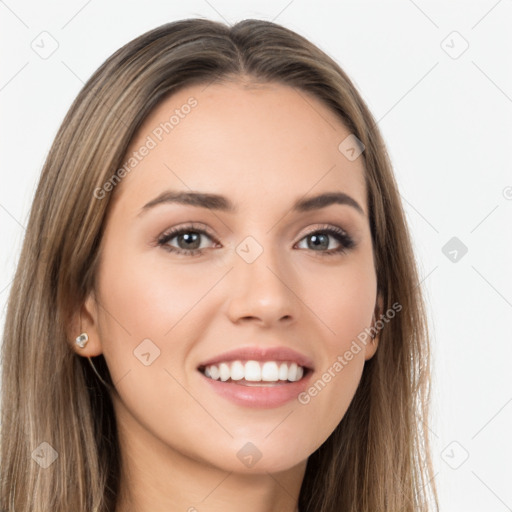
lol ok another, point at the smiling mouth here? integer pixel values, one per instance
(255, 373)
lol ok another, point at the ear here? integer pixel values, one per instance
(85, 320)
(371, 346)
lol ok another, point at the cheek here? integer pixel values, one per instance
(141, 300)
(149, 322)
(343, 300)
(148, 297)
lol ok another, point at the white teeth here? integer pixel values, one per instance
(214, 372)
(237, 371)
(269, 372)
(252, 371)
(255, 371)
(283, 371)
(292, 372)
(224, 371)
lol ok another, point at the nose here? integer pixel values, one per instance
(262, 291)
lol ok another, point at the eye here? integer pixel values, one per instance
(319, 239)
(188, 239)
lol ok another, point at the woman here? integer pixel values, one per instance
(217, 305)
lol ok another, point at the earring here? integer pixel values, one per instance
(82, 340)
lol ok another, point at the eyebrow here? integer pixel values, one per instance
(222, 203)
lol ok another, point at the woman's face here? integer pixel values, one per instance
(260, 276)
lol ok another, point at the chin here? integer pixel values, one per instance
(248, 457)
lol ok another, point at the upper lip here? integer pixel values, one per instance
(258, 353)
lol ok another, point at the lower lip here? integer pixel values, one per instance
(259, 396)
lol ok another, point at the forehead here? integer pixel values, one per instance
(248, 141)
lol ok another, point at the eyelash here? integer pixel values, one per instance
(345, 241)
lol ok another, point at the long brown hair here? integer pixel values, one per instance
(378, 457)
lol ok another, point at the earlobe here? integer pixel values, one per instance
(83, 332)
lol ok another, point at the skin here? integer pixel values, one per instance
(263, 147)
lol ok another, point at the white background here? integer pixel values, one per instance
(447, 122)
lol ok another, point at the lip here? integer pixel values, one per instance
(263, 397)
(261, 354)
